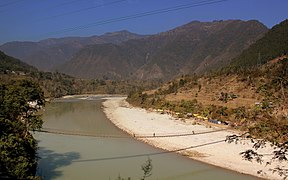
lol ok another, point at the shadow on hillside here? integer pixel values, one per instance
(50, 162)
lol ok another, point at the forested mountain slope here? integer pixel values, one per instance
(272, 45)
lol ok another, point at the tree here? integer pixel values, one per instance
(280, 152)
(19, 102)
(147, 168)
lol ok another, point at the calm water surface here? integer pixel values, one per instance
(80, 157)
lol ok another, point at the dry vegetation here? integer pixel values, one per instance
(207, 91)
(254, 100)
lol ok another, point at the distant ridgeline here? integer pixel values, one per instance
(196, 47)
(50, 53)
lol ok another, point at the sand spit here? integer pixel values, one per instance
(139, 122)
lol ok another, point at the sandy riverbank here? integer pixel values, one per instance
(138, 121)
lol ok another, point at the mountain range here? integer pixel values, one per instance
(272, 47)
(196, 47)
(48, 53)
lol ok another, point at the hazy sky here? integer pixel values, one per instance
(34, 20)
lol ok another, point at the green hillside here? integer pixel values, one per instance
(9, 64)
(272, 45)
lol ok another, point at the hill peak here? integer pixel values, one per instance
(195, 47)
(121, 32)
(49, 53)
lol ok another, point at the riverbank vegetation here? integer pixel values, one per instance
(20, 100)
(253, 101)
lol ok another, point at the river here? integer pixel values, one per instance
(92, 157)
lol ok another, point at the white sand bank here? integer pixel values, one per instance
(138, 121)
